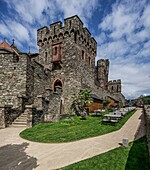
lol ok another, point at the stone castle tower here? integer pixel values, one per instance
(102, 73)
(69, 53)
(65, 64)
(114, 86)
(68, 47)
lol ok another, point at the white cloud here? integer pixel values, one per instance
(124, 33)
(11, 29)
(145, 17)
(29, 15)
(127, 45)
(84, 9)
(135, 77)
(31, 11)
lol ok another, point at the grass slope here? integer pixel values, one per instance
(66, 132)
(134, 157)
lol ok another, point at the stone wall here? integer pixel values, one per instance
(38, 79)
(102, 73)
(8, 115)
(55, 108)
(147, 117)
(13, 78)
(73, 61)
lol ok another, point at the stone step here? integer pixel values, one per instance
(16, 125)
(23, 116)
(19, 123)
(20, 120)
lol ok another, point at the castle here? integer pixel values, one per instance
(42, 84)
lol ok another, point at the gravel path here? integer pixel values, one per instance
(19, 154)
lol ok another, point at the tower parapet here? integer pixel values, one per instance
(102, 73)
(114, 86)
(73, 29)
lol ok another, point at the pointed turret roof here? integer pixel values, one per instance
(14, 47)
(5, 46)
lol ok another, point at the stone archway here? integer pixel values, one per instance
(57, 86)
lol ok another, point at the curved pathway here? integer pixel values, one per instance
(40, 156)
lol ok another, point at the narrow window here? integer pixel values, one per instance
(75, 36)
(112, 88)
(90, 61)
(55, 51)
(70, 24)
(117, 88)
(54, 29)
(83, 55)
(45, 57)
(60, 51)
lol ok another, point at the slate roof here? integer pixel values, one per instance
(94, 96)
(113, 99)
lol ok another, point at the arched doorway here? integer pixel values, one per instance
(57, 86)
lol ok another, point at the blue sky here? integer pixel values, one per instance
(120, 27)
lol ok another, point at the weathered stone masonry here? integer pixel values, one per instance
(64, 65)
(147, 118)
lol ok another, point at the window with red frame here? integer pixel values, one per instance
(56, 52)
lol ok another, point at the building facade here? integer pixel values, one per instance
(64, 65)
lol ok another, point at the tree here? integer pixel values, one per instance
(80, 102)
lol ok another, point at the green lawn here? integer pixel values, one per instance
(134, 157)
(63, 131)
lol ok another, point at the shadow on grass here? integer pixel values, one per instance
(138, 157)
(14, 157)
(96, 115)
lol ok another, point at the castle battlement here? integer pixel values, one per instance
(103, 62)
(115, 81)
(73, 29)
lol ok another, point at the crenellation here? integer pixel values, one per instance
(55, 28)
(73, 30)
(41, 34)
(114, 86)
(73, 22)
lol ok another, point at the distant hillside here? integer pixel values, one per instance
(147, 99)
(142, 100)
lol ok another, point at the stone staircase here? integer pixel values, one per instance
(20, 121)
